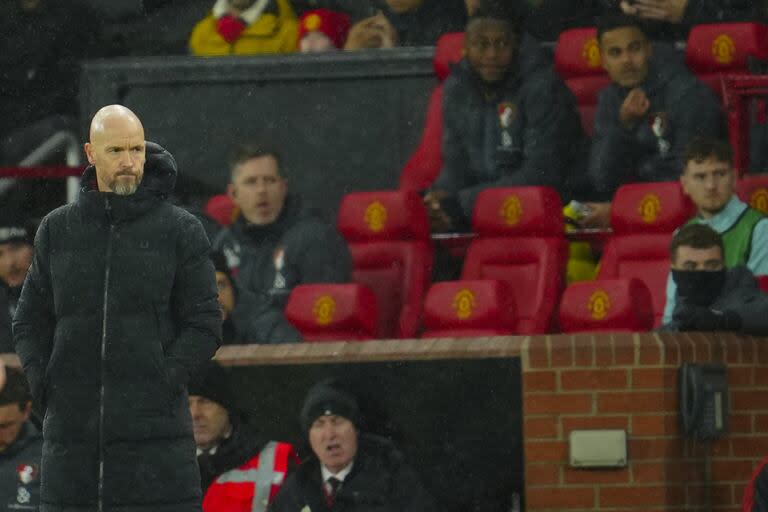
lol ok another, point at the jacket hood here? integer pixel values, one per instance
(160, 172)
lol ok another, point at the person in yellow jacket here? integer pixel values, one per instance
(246, 27)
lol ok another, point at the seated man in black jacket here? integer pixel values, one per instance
(15, 257)
(646, 117)
(274, 245)
(348, 470)
(508, 120)
(234, 462)
(710, 297)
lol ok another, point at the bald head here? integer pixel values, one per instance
(117, 149)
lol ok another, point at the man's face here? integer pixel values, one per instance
(258, 190)
(334, 441)
(118, 153)
(12, 418)
(15, 259)
(625, 54)
(226, 294)
(690, 259)
(210, 421)
(710, 184)
(490, 49)
(400, 6)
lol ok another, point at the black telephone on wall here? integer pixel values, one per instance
(704, 404)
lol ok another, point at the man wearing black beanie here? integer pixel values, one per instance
(15, 257)
(235, 464)
(348, 470)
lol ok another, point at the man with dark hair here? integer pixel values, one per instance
(117, 311)
(20, 446)
(709, 179)
(348, 470)
(644, 119)
(274, 245)
(238, 471)
(508, 121)
(710, 297)
(15, 257)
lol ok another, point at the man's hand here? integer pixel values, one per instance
(699, 318)
(438, 219)
(373, 32)
(671, 11)
(634, 108)
(599, 216)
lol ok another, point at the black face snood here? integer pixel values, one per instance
(699, 287)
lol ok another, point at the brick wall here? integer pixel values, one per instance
(630, 382)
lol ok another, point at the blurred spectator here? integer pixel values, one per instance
(246, 27)
(238, 470)
(644, 119)
(21, 446)
(43, 42)
(356, 9)
(348, 470)
(16, 240)
(674, 18)
(709, 297)
(508, 121)
(275, 244)
(408, 23)
(709, 180)
(756, 493)
(322, 30)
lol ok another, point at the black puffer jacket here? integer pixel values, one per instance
(118, 308)
(380, 481)
(6, 338)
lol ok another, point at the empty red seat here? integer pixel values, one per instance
(333, 312)
(521, 240)
(426, 161)
(388, 236)
(460, 309)
(643, 217)
(753, 189)
(221, 209)
(577, 60)
(763, 281)
(724, 48)
(608, 305)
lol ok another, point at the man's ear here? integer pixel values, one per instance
(88, 152)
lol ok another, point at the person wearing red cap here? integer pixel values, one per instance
(321, 30)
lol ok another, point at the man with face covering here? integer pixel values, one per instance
(117, 310)
(709, 296)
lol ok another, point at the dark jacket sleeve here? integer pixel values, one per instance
(717, 11)
(410, 494)
(760, 498)
(194, 303)
(6, 335)
(453, 175)
(34, 322)
(552, 131)
(751, 306)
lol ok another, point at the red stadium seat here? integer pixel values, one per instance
(763, 281)
(753, 189)
(333, 312)
(724, 48)
(577, 60)
(426, 161)
(609, 305)
(388, 236)
(221, 209)
(643, 217)
(461, 309)
(521, 240)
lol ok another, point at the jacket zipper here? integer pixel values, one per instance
(108, 209)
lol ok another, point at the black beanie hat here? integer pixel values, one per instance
(325, 399)
(211, 382)
(11, 231)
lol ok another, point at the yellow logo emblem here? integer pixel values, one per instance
(649, 208)
(591, 53)
(599, 304)
(324, 309)
(511, 211)
(759, 200)
(376, 216)
(312, 22)
(464, 304)
(723, 49)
